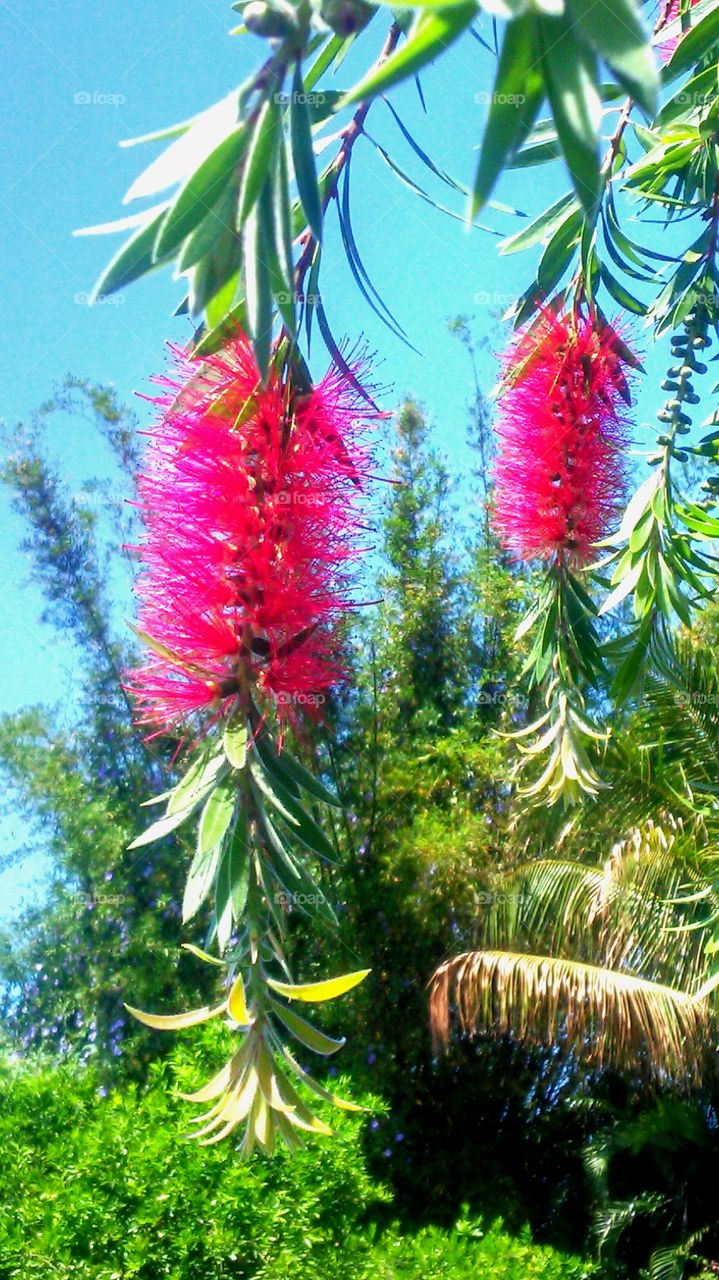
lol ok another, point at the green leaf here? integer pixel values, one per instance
(216, 338)
(515, 103)
(303, 156)
(306, 780)
(308, 1035)
(161, 828)
(217, 814)
(571, 77)
(215, 222)
(430, 34)
(234, 741)
(558, 253)
(541, 227)
(232, 879)
(260, 158)
(239, 864)
(135, 259)
(201, 878)
(200, 775)
(258, 285)
(198, 195)
(694, 44)
(615, 29)
(195, 142)
(620, 294)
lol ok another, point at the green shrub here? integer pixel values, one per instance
(104, 1188)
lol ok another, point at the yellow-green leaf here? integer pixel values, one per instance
(327, 990)
(175, 1021)
(236, 1003)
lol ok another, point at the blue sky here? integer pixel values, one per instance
(79, 77)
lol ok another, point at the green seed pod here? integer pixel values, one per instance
(345, 17)
(272, 21)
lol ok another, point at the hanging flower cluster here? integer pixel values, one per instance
(559, 475)
(249, 505)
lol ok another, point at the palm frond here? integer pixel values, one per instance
(609, 1018)
(646, 909)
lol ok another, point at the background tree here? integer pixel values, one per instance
(77, 776)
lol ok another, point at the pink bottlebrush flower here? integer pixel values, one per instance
(249, 504)
(560, 470)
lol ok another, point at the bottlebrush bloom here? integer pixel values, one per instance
(559, 475)
(248, 499)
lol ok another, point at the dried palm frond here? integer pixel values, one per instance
(610, 1018)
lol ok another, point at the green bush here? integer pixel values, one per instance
(103, 1188)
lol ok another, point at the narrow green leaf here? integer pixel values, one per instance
(430, 34)
(234, 741)
(694, 44)
(135, 259)
(541, 227)
(308, 1035)
(258, 287)
(239, 864)
(218, 220)
(200, 881)
(195, 142)
(200, 192)
(615, 29)
(303, 156)
(217, 814)
(260, 157)
(161, 828)
(572, 82)
(515, 103)
(620, 294)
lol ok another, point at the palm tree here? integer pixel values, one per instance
(613, 957)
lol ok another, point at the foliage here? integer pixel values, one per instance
(77, 775)
(98, 1187)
